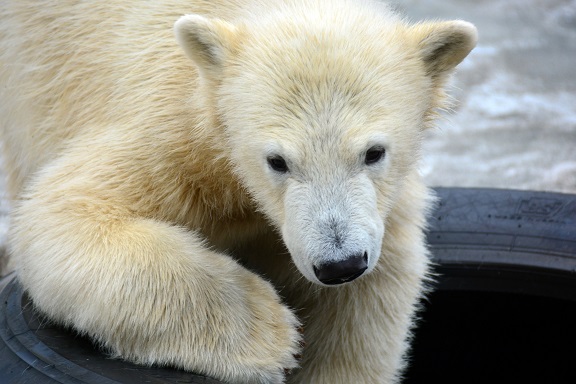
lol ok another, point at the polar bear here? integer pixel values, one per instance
(226, 187)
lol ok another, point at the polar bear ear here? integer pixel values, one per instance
(443, 45)
(208, 42)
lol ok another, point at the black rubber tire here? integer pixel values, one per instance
(504, 308)
(499, 254)
(508, 241)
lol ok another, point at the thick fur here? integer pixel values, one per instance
(147, 213)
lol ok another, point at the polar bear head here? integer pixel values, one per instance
(323, 110)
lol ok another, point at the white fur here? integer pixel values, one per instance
(147, 215)
(331, 219)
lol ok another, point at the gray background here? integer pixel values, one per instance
(514, 125)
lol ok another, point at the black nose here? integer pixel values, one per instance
(342, 271)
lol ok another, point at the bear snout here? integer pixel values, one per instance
(342, 271)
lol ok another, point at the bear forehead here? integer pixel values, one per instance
(313, 52)
(326, 78)
(302, 85)
(314, 69)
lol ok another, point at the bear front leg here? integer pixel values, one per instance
(358, 332)
(150, 292)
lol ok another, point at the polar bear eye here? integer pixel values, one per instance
(374, 155)
(277, 163)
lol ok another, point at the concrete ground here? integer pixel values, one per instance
(514, 125)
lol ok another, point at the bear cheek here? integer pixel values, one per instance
(297, 252)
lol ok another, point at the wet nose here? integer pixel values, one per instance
(342, 271)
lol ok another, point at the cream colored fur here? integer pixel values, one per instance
(147, 215)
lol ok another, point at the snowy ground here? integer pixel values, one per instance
(515, 123)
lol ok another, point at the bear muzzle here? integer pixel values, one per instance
(342, 271)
